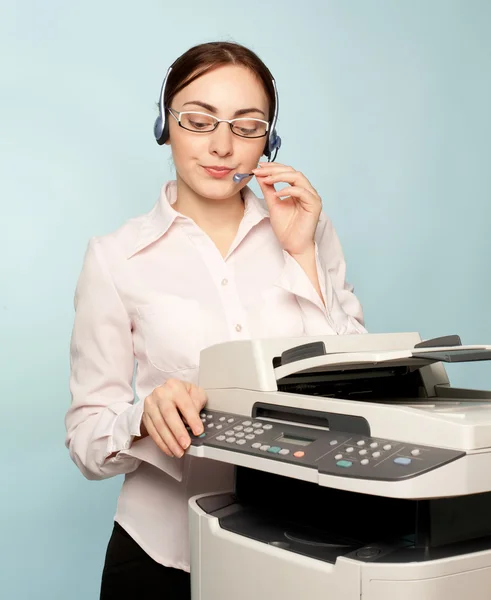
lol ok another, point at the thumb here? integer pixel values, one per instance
(269, 192)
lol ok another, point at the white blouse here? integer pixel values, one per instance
(153, 294)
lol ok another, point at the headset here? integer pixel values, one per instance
(161, 128)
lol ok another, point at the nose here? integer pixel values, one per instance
(221, 140)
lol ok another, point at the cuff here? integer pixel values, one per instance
(147, 451)
(125, 427)
(295, 280)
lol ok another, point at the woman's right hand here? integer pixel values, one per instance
(164, 411)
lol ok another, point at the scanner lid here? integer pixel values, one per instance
(313, 357)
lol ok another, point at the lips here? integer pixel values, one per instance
(217, 172)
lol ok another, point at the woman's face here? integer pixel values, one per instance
(225, 92)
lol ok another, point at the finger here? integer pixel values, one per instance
(158, 418)
(267, 168)
(156, 437)
(269, 193)
(198, 396)
(187, 410)
(305, 197)
(171, 421)
(291, 177)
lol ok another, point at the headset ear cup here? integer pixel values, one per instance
(273, 143)
(161, 130)
(158, 129)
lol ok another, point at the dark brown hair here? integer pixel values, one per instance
(202, 58)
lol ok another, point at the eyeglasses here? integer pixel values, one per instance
(203, 123)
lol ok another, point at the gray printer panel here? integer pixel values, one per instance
(329, 452)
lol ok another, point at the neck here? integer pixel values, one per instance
(208, 213)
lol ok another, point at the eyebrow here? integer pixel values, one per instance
(212, 109)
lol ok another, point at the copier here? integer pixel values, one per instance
(360, 473)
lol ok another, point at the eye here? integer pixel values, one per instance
(197, 122)
(249, 127)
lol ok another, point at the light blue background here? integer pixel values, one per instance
(385, 106)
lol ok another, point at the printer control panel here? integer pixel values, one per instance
(329, 452)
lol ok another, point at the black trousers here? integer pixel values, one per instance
(130, 574)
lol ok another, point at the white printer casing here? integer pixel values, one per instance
(360, 435)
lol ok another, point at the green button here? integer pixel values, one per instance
(274, 449)
(202, 435)
(344, 463)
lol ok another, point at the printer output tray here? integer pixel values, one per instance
(325, 523)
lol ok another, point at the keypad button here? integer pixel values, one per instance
(333, 442)
(210, 425)
(350, 449)
(274, 449)
(221, 419)
(248, 429)
(360, 443)
(338, 456)
(249, 436)
(230, 440)
(239, 434)
(240, 442)
(299, 454)
(387, 447)
(259, 431)
(247, 423)
(202, 415)
(220, 438)
(256, 445)
(401, 460)
(230, 432)
(238, 428)
(231, 420)
(284, 451)
(209, 416)
(268, 426)
(265, 447)
(344, 463)
(365, 461)
(374, 445)
(219, 426)
(362, 452)
(375, 454)
(203, 419)
(415, 452)
(256, 425)
(202, 435)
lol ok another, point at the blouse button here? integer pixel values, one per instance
(224, 281)
(238, 327)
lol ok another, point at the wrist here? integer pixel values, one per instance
(305, 254)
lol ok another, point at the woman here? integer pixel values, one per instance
(209, 263)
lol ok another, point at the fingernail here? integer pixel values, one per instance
(184, 443)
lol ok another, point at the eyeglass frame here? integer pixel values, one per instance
(218, 121)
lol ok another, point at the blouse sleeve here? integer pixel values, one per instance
(103, 417)
(341, 310)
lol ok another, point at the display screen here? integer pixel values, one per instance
(293, 439)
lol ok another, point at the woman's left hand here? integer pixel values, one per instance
(294, 211)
